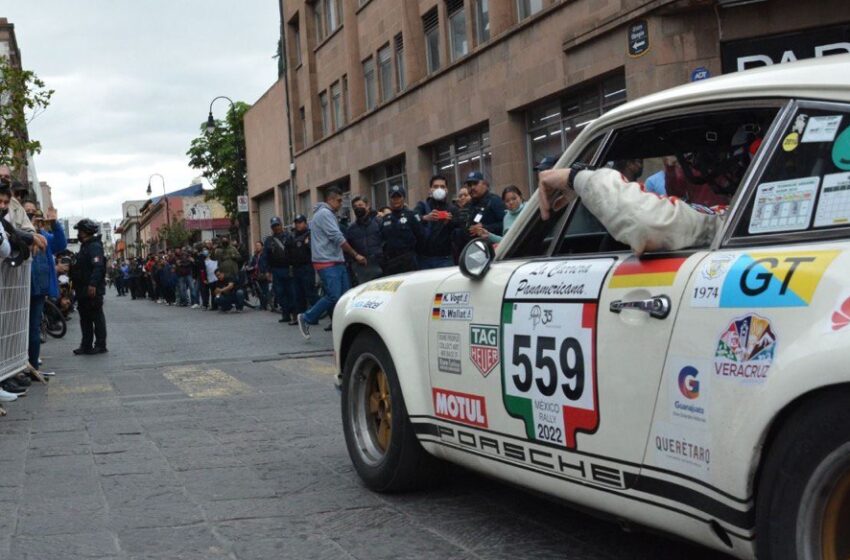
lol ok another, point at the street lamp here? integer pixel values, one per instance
(165, 196)
(210, 128)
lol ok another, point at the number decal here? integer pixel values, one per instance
(550, 380)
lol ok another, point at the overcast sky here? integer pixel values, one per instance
(133, 82)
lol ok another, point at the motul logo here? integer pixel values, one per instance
(460, 407)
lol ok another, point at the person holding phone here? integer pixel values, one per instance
(437, 214)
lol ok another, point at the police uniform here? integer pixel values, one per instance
(89, 270)
(402, 237)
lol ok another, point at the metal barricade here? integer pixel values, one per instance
(14, 318)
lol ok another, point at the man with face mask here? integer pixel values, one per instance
(437, 215)
(365, 236)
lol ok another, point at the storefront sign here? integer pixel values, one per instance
(755, 52)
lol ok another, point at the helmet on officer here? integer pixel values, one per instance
(87, 226)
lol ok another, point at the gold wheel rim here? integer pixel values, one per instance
(380, 409)
(836, 522)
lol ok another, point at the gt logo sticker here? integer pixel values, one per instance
(548, 371)
(484, 347)
(761, 280)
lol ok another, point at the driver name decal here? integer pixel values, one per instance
(549, 348)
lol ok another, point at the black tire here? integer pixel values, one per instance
(404, 464)
(54, 321)
(807, 469)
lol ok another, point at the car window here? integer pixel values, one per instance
(805, 186)
(699, 157)
(538, 235)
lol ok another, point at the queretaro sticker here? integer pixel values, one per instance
(559, 280)
(484, 347)
(745, 349)
(448, 352)
(681, 449)
(549, 378)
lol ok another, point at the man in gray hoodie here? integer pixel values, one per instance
(328, 244)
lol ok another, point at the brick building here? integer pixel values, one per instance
(392, 91)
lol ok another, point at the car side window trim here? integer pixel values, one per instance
(728, 239)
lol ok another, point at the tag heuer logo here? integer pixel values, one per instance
(484, 347)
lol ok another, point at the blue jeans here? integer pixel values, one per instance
(305, 287)
(184, 287)
(36, 311)
(335, 282)
(194, 291)
(284, 292)
(427, 263)
(226, 301)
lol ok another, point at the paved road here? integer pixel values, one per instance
(206, 436)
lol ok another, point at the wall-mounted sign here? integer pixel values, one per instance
(242, 203)
(700, 73)
(743, 54)
(638, 38)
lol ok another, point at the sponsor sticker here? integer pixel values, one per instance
(559, 280)
(460, 407)
(784, 205)
(375, 295)
(681, 449)
(689, 395)
(452, 306)
(484, 347)
(636, 273)
(758, 279)
(822, 129)
(745, 350)
(448, 352)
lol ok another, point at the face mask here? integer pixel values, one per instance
(30, 216)
(359, 212)
(3, 212)
(439, 194)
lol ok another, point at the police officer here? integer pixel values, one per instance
(280, 275)
(303, 275)
(486, 210)
(88, 274)
(401, 234)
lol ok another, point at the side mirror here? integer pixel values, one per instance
(476, 258)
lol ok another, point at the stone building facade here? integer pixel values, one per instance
(393, 91)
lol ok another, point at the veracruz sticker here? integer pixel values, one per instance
(745, 350)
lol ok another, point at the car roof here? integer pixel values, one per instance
(826, 79)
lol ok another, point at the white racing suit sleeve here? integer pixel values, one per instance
(5, 248)
(640, 219)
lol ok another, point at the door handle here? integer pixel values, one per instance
(657, 306)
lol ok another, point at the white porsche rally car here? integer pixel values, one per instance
(703, 392)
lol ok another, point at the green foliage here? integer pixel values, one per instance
(24, 97)
(175, 235)
(220, 155)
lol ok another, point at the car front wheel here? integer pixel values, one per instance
(803, 506)
(378, 433)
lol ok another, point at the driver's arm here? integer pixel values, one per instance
(642, 220)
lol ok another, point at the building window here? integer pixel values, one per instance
(383, 177)
(337, 106)
(399, 63)
(369, 81)
(296, 43)
(430, 22)
(345, 112)
(303, 117)
(304, 204)
(528, 8)
(458, 44)
(460, 155)
(328, 15)
(482, 21)
(326, 115)
(385, 72)
(554, 125)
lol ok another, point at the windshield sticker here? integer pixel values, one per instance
(448, 352)
(637, 273)
(784, 205)
(822, 129)
(745, 350)
(841, 150)
(790, 143)
(760, 279)
(834, 202)
(559, 280)
(800, 123)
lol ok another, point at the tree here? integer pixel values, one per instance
(220, 155)
(23, 96)
(174, 235)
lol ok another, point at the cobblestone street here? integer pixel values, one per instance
(203, 436)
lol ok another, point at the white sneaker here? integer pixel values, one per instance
(6, 396)
(47, 373)
(195, 306)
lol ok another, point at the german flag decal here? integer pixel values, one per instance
(638, 273)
